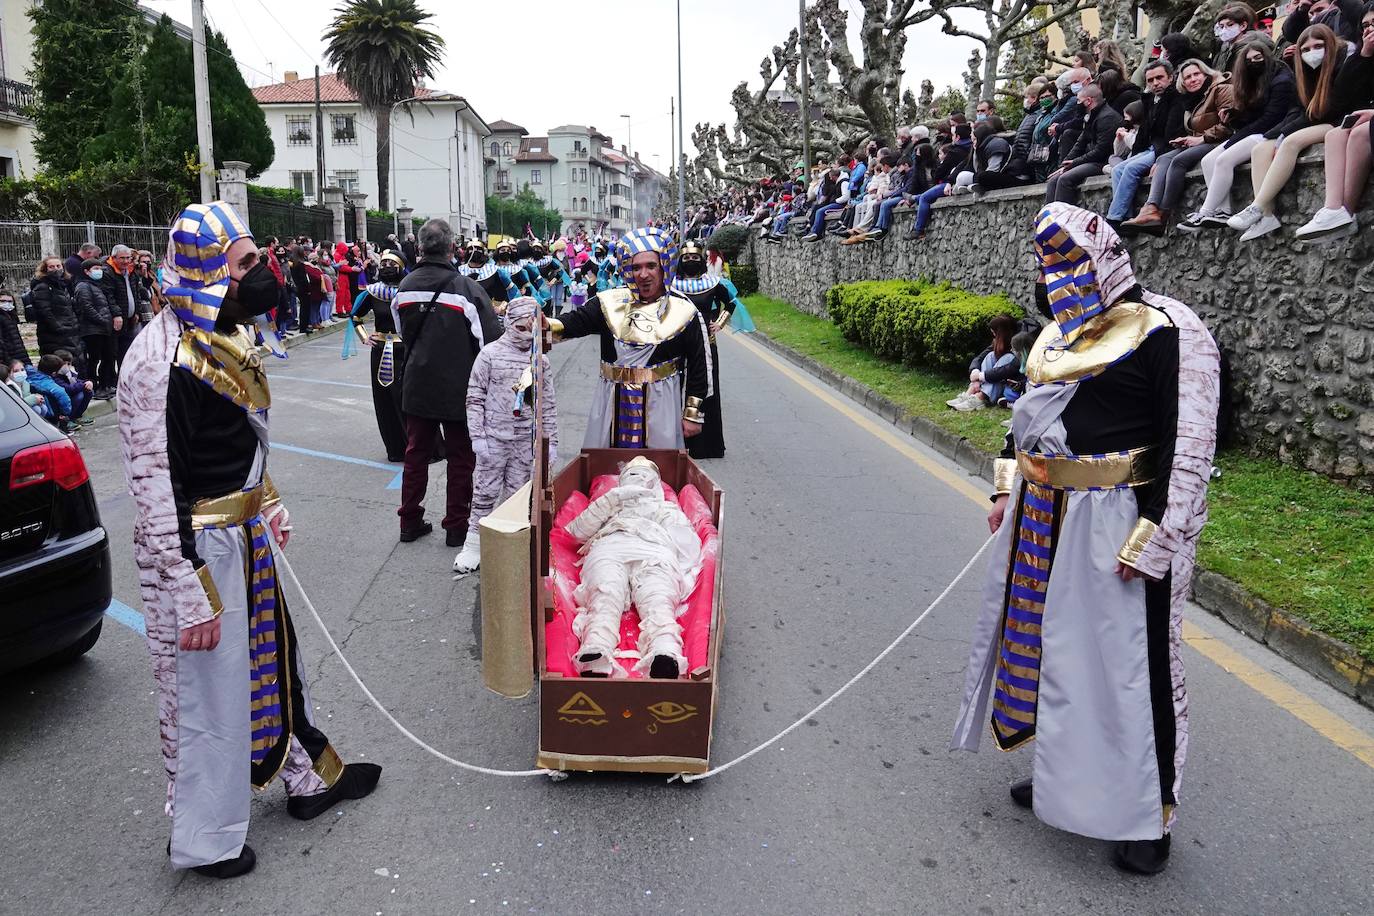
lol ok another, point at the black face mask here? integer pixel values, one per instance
(692, 268)
(478, 258)
(389, 274)
(258, 289)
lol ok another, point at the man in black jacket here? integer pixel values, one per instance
(1018, 169)
(1160, 124)
(126, 297)
(445, 319)
(1090, 153)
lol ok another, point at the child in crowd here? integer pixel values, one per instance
(78, 389)
(40, 392)
(993, 371)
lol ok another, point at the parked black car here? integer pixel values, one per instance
(54, 554)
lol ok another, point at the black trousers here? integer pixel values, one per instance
(100, 359)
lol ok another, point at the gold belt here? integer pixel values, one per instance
(640, 375)
(1088, 472)
(227, 511)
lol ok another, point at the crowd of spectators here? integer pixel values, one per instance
(1253, 98)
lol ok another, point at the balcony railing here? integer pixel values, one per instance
(16, 98)
(301, 138)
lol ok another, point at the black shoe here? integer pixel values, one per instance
(876, 234)
(1144, 857)
(664, 668)
(228, 868)
(357, 781)
(1021, 792)
(414, 534)
(394, 460)
(455, 537)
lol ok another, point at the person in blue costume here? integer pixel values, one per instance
(490, 276)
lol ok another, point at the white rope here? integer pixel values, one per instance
(688, 777)
(285, 564)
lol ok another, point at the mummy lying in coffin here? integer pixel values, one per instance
(636, 546)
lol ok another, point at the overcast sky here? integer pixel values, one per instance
(542, 63)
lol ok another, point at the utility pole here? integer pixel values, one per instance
(805, 91)
(204, 136)
(319, 140)
(681, 150)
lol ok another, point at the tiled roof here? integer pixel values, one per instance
(535, 149)
(506, 127)
(332, 89)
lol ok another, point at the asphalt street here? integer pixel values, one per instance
(835, 538)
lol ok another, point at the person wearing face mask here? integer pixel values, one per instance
(1234, 20)
(99, 327)
(489, 275)
(716, 301)
(234, 706)
(11, 341)
(51, 308)
(1018, 169)
(1069, 112)
(1331, 83)
(1342, 17)
(1090, 152)
(388, 352)
(502, 434)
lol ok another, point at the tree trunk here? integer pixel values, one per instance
(991, 60)
(381, 116)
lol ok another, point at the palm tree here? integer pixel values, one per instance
(381, 49)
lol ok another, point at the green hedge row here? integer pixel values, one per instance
(746, 279)
(917, 322)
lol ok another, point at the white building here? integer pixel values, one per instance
(437, 163)
(17, 159)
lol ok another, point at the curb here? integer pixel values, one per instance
(100, 409)
(1329, 660)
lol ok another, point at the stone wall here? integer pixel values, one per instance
(1296, 321)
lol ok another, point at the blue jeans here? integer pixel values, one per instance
(994, 390)
(818, 221)
(1126, 177)
(780, 224)
(885, 213)
(923, 205)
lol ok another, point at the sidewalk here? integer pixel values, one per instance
(1331, 660)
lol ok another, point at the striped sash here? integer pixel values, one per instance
(263, 661)
(629, 416)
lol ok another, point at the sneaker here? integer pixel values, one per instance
(1192, 222)
(775, 239)
(763, 233)
(957, 400)
(83, 421)
(810, 237)
(1245, 218)
(1267, 224)
(961, 189)
(470, 557)
(1326, 220)
(1218, 220)
(974, 402)
(876, 234)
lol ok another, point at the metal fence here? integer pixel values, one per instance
(20, 249)
(21, 245)
(378, 229)
(287, 220)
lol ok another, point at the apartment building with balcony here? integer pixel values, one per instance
(17, 158)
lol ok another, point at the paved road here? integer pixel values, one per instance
(836, 537)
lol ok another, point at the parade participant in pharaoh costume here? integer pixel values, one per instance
(655, 355)
(635, 546)
(552, 271)
(388, 352)
(501, 421)
(1079, 637)
(193, 407)
(525, 274)
(716, 301)
(490, 276)
(607, 277)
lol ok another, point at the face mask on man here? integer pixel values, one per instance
(96, 274)
(692, 267)
(6, 305)
(257, 291)
(981, 116)
(1226, 33)
(1075, 88)
(1314, 57)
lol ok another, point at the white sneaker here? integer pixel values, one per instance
(1266, 225)
(1245, 218)
(1326, 220)
(957, 400)
(973, 402)
(470, 557)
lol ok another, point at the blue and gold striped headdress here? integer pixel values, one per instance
(1084, 265)
(195, 275)
(649, 239)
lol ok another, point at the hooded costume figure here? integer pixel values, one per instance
(655, 356)
(501, 420)
(636, 546)
(193, 409)
(489, 275)
(388, 352)
(1106, 472)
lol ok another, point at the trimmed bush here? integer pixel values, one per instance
(916, 322)
(729, 241)
(745, 277)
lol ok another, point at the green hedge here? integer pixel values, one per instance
(916, 322)
(745, 277)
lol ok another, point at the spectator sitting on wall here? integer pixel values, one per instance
(992, 369)
(1018, 169)
(952, 159)
(1159, 125)
(1084, 59)
(990, 155)
(1342, 17)
(1234, 22)
(1108, 56)
(73, 264)
(1117, 90)
(1067, 122)
(11, 341)
(832, 194)
(1090, 152)
(1263, 94)
(1175, 48)
(984, 110)
(1125, 136)
(1331, 84)
(899, 191)
(1203, 93)
(1042, 148)
(875, 193)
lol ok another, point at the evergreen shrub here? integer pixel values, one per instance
(745, 277)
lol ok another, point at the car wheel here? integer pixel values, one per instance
(76, 649)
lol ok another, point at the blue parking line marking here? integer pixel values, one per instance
(127, 616)
(316, 381)
(333, 457)
(396, 481)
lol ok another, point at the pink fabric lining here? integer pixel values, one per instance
(559, 642)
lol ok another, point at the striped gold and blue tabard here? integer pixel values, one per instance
(630, 416)
(263, 656)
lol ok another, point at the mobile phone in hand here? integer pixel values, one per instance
(1349, 121)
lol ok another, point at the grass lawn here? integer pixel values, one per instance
(1290, 537)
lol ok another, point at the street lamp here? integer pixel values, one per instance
(629, 162)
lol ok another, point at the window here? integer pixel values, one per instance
(346, 179)
(583, 205)
(495, 149)
(300, 130)
(343, 128)
(305, 183)
(505, 148)
(536, 176)
(502, 180)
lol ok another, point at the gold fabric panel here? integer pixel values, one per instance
(233, 368)
(637, 322)
(640, 375)
(1101, 342)
(330, 766)
(693, 412)
(1088, 472)
(1003, 474)
(1137, 541)
(228, 511)
(211, 590)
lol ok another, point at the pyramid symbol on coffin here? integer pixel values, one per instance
(579, 704)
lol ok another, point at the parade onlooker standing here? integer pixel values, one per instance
(51, 308)
(11, 341)
(446, 318)
(124, 293)
(98, 325)
(73, 264)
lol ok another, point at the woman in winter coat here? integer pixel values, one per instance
(11, 341)
(1205, 92)
(1264, 93)
(52, 309)
(99, 327)
(1325, 92)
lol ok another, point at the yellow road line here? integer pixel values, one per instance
(1323, 721)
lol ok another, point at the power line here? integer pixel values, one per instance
(288, 32)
